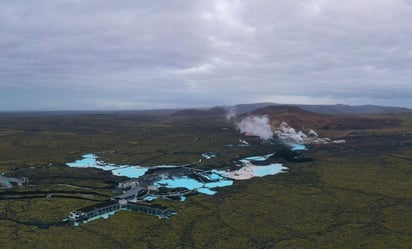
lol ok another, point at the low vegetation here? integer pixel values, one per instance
(353, 195)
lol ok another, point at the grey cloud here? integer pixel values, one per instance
(141, 54)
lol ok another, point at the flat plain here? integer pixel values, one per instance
(352, 195)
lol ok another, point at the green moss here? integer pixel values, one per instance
(355, 195)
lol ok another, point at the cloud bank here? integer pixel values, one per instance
(148, 54)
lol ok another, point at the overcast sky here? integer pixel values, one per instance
(95, 54)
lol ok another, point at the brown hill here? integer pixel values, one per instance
(302, 119)
(328, 109)
(212, 112)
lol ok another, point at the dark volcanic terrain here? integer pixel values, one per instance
(351, 195)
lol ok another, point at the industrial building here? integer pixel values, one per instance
(88, 213)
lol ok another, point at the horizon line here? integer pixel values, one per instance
(191, 107)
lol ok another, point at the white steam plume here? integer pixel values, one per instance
(230, 113)
(258, 126)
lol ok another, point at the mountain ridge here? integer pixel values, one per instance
(329, 109)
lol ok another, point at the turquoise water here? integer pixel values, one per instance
(149, 198)
(296, 147)
(214, 175)
(193, 184)
(219, 184)
(91, 161)
(271, 169)
(104, 216)
(130, 171)
(217, 178)
(209, 155)
(259, 158)
(179, 182)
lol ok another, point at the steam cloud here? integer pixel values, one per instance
(230, 114)
(258, 126)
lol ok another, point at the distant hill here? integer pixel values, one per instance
(285, 110)
(154, 112)
(303, 119)
(327, 109)
(212, 112)
(348, 109)
(242, 108)
(294, 116)
(222, 110)
(326, 117)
